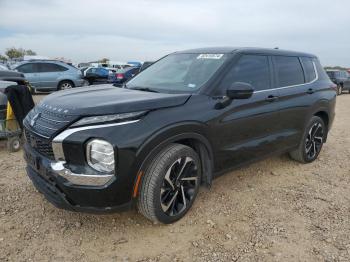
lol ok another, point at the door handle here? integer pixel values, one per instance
(271, 98)
(310, 91)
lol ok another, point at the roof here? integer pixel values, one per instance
(228, 50)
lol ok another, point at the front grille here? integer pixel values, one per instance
(47, 123)
(41, 125)
(40, 144)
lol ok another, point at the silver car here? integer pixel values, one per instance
(50, 75)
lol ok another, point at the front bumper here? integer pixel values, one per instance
(63, 194)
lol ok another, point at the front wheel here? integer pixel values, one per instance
(312, 141)
(170, 184)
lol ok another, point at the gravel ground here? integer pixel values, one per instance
(274, 210)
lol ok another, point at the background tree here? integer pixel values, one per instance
(104, 60)
(3, 58)
(14, 52)
(30, 52)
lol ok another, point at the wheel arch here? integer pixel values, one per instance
(192, 136)
(323, 114)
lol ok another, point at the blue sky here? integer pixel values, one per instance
(148, 29)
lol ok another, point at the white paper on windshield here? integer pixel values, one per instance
(210, 56)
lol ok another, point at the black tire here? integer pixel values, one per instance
(340, 90)
(14, 144)
(312, 141)
(165, 189)
(64, 85)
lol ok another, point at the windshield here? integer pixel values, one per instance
(178, 72)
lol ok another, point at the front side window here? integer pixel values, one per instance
(251, 69)
(179, 72)
(309, 69)
(289, 71)
(27, 68)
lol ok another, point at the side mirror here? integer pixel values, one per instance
(240, 90)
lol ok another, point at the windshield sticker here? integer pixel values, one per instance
(191, 85)
(210, 56)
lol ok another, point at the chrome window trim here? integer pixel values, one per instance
(284, 87)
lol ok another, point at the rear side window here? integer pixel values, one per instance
(49, 67)
(252, 69)
(289, 71)
(309, 69)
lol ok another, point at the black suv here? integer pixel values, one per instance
(341, 79)
(178, 124)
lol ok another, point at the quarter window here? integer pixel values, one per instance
(289, 71)
(251, 69)
(309, 69)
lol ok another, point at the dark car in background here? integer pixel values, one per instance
(50, 75)
(341, 78)
(123, 75)
(145, 65)
(188, 118)
(96, 75)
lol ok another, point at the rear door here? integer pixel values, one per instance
(297, 93)
(50, 74)
(248, 128)
(31, 73)
(347, 80)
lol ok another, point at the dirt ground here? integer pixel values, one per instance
(274, 210)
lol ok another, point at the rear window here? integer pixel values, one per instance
(289, 71)
(309, 69)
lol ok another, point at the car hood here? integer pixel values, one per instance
(107, 99)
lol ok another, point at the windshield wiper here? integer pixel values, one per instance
(147, 89)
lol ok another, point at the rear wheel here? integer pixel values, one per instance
(340, 90)
(64, 85)
(170, 184)
(312, 141)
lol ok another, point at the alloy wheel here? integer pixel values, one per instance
(179, 186)
(314, 140)
(65, 86)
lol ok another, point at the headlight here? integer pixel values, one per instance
(100, 155)
(108, 118)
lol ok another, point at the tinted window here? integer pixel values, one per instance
(49, 67)
(27, 68)
(252, 69)
(309, 69)
(289, 71)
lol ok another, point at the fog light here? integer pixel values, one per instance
(100, 155)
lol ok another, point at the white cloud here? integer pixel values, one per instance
(145, 29)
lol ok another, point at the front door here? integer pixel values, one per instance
(31, 73)
(249, 128)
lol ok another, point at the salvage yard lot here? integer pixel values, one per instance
(274, 210)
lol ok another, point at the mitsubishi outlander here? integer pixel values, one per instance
(175, 126)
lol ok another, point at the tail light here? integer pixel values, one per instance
(334, 87)
(120, 76)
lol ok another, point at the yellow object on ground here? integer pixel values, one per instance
(11, 122)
